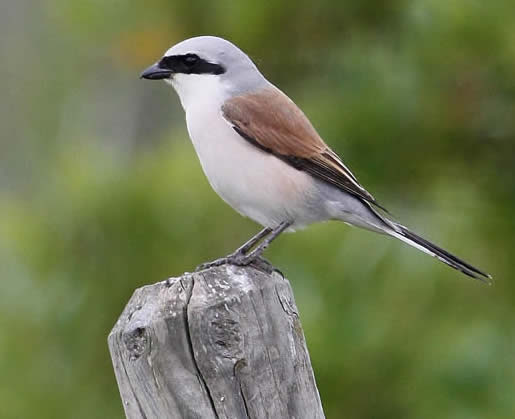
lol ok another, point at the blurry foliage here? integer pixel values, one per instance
(101, 192)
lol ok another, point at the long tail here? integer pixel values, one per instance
(402, 233)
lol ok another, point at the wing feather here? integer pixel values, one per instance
(270, 120)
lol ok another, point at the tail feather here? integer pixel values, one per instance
(443, 255)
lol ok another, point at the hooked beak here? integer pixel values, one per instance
(154, 72)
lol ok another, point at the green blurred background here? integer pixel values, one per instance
(101, 193)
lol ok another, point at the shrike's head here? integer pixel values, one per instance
(206, 69)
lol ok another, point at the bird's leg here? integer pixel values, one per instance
(239, 252)
(240, 257)
(244, 248)
(256, 253)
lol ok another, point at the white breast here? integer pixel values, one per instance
(255, 183)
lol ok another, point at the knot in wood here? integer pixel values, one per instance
(136, 341)
(225, 334)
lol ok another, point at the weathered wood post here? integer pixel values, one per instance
(221, 343)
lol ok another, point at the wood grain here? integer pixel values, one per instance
(221, 343)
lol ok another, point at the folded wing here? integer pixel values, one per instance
(269, 120)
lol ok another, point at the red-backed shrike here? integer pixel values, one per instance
(262, 155)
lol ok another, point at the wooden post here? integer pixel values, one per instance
(221, 343)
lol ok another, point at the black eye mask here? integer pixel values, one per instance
(189, 64)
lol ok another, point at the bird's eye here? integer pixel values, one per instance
(190, 60)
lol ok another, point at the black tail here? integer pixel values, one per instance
(411, 238)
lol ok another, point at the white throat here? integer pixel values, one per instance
(196, 90)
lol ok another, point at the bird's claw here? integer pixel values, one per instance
(212, 264)
(240, 259)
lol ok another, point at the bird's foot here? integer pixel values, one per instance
(241, 259)
(237, 258)
(212, 264)
(264, 265)
(244, 256)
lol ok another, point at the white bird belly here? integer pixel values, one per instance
(253, 182)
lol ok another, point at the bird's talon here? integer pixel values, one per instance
(212, 264)
(239, 260)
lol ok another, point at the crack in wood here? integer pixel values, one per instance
(192, 350)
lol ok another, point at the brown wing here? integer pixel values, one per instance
(272, 122)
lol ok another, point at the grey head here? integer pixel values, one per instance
(208, 57)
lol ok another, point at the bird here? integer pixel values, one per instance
(262, 156)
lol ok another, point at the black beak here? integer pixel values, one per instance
(154, 72)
